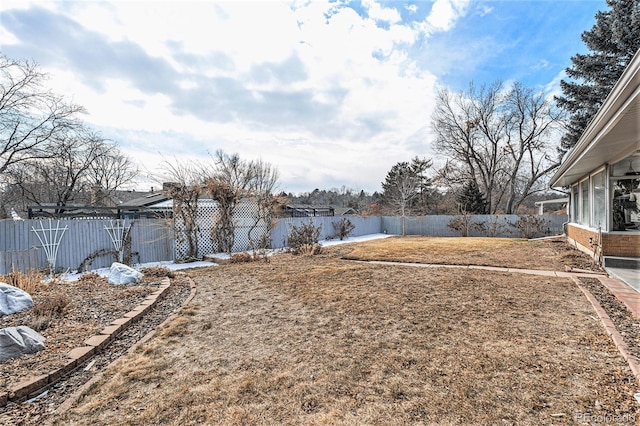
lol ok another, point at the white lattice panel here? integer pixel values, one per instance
(245, 215)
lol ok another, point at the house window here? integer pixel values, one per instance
(599, 200)
(625, 189)
(575, 204)
(584, 201)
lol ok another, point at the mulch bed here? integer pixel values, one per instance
(92, 304)
(627, 325)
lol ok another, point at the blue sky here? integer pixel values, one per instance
(332, 93)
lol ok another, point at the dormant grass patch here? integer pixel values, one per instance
(320, 340)
(498, 252)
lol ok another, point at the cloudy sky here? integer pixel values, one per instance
(332, 93)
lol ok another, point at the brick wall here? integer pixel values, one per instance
(623, 245)
(613, 244)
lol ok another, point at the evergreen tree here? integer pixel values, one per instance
(612, 42)
(407, 185)
(471, 200)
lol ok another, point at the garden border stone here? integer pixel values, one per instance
(35, 385)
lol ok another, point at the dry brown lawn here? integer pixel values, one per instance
(499, 252)
(322, 340)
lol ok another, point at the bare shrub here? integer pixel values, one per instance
(531, 226)
(158, 272)
(54, 305)
(241, 258)
(495, 226)
(92, 278)
(26, 281)
(303, 239)
(464, 224)
(343, 228)
(46, 311)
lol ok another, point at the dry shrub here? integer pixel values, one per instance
(54, 305)
(343, 228)
(92, 278)
(46, 311)
(308, 249)
(464, 224)
(531, 226)
(158, 272)
(26, 281)
(242, 258)
(303, 239)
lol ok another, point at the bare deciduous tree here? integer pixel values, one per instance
(233, 179)
(401, 187)
(111, 170)
(185, 188)
(499, 137)
(31, 117)
(228, 180)
(81, 161)
(263, 186)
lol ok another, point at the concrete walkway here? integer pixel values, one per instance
(629, 276)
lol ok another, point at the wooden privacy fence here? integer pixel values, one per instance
(85, 244)
(432, 225)
(89, 244)
(19, 260)
(500, 225)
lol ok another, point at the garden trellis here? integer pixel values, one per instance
(50, 238)
(118, 232)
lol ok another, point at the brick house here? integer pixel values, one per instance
(602, 175)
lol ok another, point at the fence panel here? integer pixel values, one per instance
(86, 242)
(495, 225)
(363, 226)
(19, 260)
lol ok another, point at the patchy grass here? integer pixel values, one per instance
(501, 252)
(320, 340)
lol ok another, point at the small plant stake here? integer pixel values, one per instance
(50, 239)
(118, 233)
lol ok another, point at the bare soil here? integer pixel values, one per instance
(322, 340)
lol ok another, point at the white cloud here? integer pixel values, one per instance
(380, 13)
(235, 73)
(553, 89)
(411, 8)
(542, 63)
(484, 9)
(444, 13)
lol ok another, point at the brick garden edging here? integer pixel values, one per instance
(34, 386)
(610, 328)
(68, 403)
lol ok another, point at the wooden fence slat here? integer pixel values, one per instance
(20, 260)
